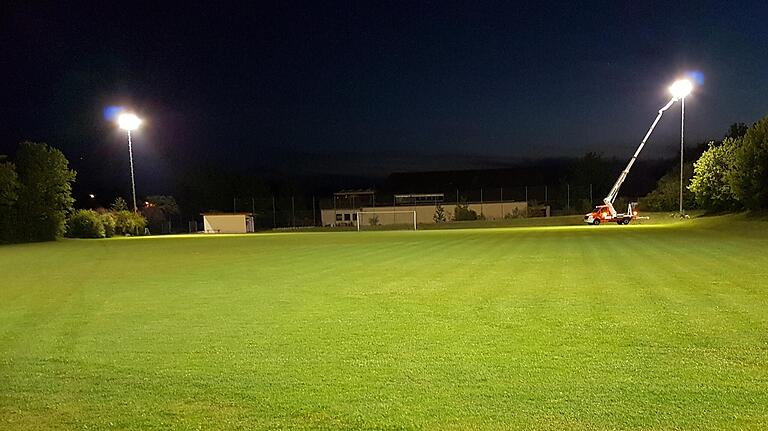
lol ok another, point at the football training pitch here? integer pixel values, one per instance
(659, 326)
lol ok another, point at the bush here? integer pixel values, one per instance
(666, 195)
(439, 216)
(463, 213)
(129, 223)
(85, 224)
(109, 222)
(516, 213)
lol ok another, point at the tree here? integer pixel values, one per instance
(737, 130)
(713, 174)
(593, 169)
(119, 205)
(9, 189)
(666, 195)
(158, 210)
(45, 193)
(749, 178)
(439, 216)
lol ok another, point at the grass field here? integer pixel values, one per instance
(659, 326)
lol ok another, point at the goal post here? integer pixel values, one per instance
(382, 220)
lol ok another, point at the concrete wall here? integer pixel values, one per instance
(225, 223)
(424, 213)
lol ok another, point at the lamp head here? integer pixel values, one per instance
(128, 121)
(681, 88)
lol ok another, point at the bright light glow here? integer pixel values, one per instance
(128, 121)
(92, 195)
(681, 88)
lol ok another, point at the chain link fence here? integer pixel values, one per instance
(300, 211)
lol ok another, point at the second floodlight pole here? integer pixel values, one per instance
(682, 140)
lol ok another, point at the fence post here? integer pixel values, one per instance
(481, 201)
(591, 202)
(501, 196)
(546, 197)
(568, 196)
(526, 193)
(293, 213)
(314, 215)
(234, 205)
(274, 214)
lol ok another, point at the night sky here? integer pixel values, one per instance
(371, 87)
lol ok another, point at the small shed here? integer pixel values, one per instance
(227, 223)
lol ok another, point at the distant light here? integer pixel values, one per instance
(92, 195)
(128, 121)
(681, 88)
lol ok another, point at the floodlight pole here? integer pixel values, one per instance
(682, 140)
(133, 183)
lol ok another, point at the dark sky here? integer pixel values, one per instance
(335, 86)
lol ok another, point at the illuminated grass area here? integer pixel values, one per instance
(578, 327)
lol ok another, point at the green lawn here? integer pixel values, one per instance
(656, 326)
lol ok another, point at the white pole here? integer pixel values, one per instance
(414, 220)
(133, 183)
(358, 222)
(682, 133)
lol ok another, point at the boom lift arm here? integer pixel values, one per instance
(615, 190)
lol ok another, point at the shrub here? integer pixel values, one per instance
(516, 213)
(129, 223)
(666, 195)
(109, 222)
(463, 213)
(85, 224)
(439, 216)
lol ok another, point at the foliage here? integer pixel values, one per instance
(592, 168)
(45, 195)
(737, 130)
(158, 210)
(374, 220)
(464, 213)
(85, 224)
(666, 195)
(119, 205)
(749, 178)
(516, 213)
(439, 216)
(129, 223)
(109, 221)
(9, 194)
(713, 174)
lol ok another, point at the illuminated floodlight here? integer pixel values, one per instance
(128, 121)
(681, 88)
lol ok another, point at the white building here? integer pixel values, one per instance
(228, 223)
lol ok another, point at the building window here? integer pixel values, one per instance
(338, 217)
(354, 217)
(346, 217)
